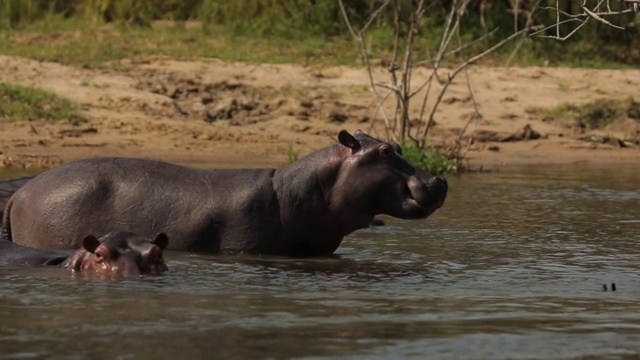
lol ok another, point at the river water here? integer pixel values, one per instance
(512, 267)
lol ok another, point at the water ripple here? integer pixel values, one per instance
(512, 267)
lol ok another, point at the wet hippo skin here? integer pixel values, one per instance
(117, 254)
(8, 187)
(303, 209)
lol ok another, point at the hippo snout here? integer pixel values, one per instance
(429, 193)
(131, 269)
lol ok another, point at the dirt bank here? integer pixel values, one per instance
(214, 114)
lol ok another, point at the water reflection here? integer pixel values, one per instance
(511, 267)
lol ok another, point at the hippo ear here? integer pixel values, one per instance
(161, 240)
(348, 140)
(90, 243)
(397, 147)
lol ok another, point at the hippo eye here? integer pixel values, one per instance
(386, 151)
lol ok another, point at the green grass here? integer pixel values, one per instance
(578, 53)
(95, 32)
(28, 103)
(82, 42)
(78, 42)
(594, 115)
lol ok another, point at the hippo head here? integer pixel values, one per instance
(120, 254)
(374, 179)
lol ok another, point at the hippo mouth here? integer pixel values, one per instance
(425, 197)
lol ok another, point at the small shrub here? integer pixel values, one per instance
(429, 160)
(633, 110)
(600, 113)
(594, 115)
(28, 103)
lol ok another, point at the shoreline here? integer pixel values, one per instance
(263, 111)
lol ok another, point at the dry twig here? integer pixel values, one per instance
(403, 62)
(598, 10)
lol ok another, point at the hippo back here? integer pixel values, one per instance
(198, 209)
(14, 255)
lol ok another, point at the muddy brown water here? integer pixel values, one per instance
(512, 267)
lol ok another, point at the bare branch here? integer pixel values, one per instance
(407, 69)
(453, 52)
(367, 61)
(462, 66)
(597, 17)
(379, 108)
(528, 25)
(346, 19)
(449, 30)
(448, 33)
(399, 125)
(388, 87)
(568, 35)
(551, 26)
(370, 20)
(373, 16)
(589, 10)
(476, 108)
(365, 53)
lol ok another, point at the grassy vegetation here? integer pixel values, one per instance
(594, 115)
(27, 103)
(292, 154)
(79, 42)
(97, 32)
(431, 161)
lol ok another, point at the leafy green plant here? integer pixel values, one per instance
(28, 103)
(429, 160)
(292, 155)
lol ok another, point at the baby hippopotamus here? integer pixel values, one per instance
(114, 255)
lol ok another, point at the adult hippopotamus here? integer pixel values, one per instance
(116, 254)
(303, 209)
